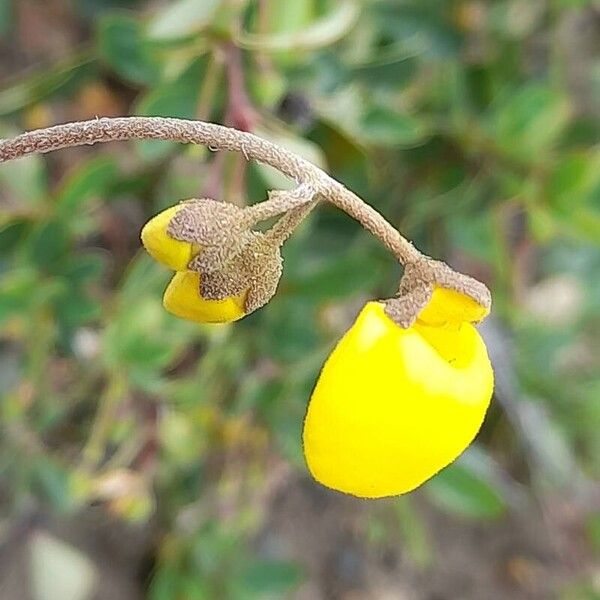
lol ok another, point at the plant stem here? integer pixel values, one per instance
(95, 447)
(216, 137)
(284, 228)
(278, 203)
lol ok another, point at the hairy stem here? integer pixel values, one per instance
(278, 203)
(216, 137)
(284, 228)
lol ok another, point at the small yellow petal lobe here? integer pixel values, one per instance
(182, 299)
(448, 305)
(172, 253)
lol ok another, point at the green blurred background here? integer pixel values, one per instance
(146, 457)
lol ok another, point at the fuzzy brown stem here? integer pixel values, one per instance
(216, 137)
(279, 202)
(284, 228)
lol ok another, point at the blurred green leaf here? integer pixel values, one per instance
(292, 317)
(572, 182)
(46, 82)
(90, 180)
(178, 98)
(16, 292)
(134, 338)
(391, 69)
(460, 490)
(425, 27)
(529, 121)
(83, 268)
(182, 18)
(391, 128)
(123, 47)
(51, 481)
(323, 32)
(269, 578)
(346, 158)
(414, 533)
(289, 17)
(25, 180)
(74, 308)
(340, 276)
(49, 245)
(12, 234)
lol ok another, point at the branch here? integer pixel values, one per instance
(216, 137)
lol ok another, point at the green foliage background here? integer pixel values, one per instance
(471, 124)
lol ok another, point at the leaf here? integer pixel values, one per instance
(90, 180)
(141, 336)
(573, 181)
(177, 98)
(323, 32)
(12, 234)
(474, 233)
(391, 69)
(289, 17)
(426, 28)
(24, 180)
(347, 159)
(585, 224)
(391, 128)
(73, 308)
(274, 577)
(529, 121)
(51, 481)
(48, 245)
(460, 490)
(330, 277)
(123, 47)
(298, 320)
(46, 82)
(84, 267)
(182, 18)
(59, 571)
(15, 292)
(413, 529)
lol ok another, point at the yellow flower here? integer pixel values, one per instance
(172, 253)
(182, 299)
(393, 406)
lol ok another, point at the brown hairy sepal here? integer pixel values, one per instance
(416, 288)
(214, 226)
(255, 269)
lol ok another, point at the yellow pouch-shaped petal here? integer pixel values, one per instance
(182, 299)
(450, 306)
(393, 406)
(172, 253)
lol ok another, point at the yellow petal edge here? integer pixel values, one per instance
(394, 406)
(448, 305)
(182, 299)
(172, 253)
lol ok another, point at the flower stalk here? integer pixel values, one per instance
(422, 275)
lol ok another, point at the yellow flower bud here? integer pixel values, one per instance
(448, 305)
(393, 406)
(172, 253)
(182, 299)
